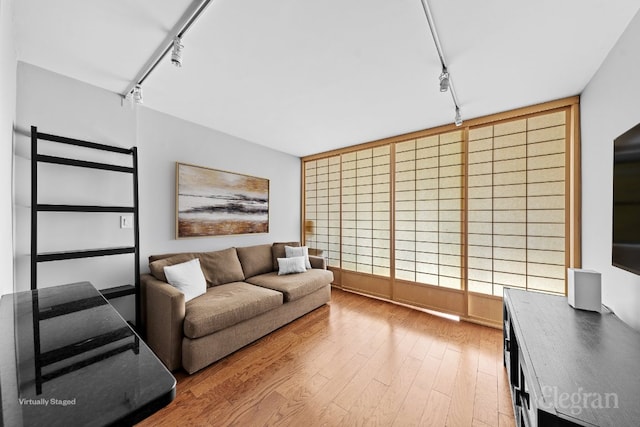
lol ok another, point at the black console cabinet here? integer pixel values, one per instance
(569, 367)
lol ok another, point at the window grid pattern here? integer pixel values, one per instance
(516, 205)
(366, 180)
(429, 210)
(322, 207)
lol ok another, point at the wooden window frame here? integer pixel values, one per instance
(474, 307)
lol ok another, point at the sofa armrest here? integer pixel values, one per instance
(318, 262)
(164, 309)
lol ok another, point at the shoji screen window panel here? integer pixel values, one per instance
(333, 248)
(446, 218)
(364, 212)
(310, 202)
(381, 211)
(429, 216)
(366, 217)
(349, 212)
(516, 199)
(450, 209)
(322, 207)
(547, 200)
(405, 211)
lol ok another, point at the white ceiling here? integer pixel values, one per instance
(304, 76)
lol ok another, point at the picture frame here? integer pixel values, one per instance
(213, 202)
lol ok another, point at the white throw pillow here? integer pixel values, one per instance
(291, 265)
(295, 251)
(187, 278)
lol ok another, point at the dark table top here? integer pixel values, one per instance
(585, 362)
(68, 358)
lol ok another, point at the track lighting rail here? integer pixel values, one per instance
(446, 81)
(192, 13)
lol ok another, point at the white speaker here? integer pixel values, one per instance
(584, 289)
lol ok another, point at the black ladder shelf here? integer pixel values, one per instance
(37, 257)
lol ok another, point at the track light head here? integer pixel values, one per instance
(444, 80)
(458, 119)
(176, 53)
(137, 94)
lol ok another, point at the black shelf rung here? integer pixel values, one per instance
(83, 208)
(81, 143)
(71, 307)
(75, 349)
(118, 291)
(83, 163)
(60, 256)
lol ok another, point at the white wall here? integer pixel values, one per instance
(164, 140)
(609, 107)
(7, 118)
(60, 105)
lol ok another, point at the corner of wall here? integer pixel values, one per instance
(8, 66)
(608, 107)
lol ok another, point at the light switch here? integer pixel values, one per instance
(126, 221)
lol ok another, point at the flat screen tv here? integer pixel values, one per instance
(626, 201)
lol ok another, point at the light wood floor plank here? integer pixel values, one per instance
(331, 416)
(358, 361)
(504, 393)
(395, 395)
(256, 414)
(505, 420)
(438, 347)
(486, 399)
(378, 362)
(365, 405)
(447, 372)
(463, 393)
(322, 401)
(412, 408)
(435, 414)
(396, 356)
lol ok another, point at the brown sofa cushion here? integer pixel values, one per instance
(255, 259)
(277, 251)
(294, 286)
(153, 258)
(226, 305)
(160, 262)
(219, 267)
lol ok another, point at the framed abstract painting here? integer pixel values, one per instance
(211, 202)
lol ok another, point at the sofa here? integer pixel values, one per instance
(245, 299)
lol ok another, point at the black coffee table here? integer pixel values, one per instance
(68, 358)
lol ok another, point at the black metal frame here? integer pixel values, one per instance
(36, 257)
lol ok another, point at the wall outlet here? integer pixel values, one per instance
(126, 221)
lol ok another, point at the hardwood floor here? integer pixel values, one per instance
(358, 361)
